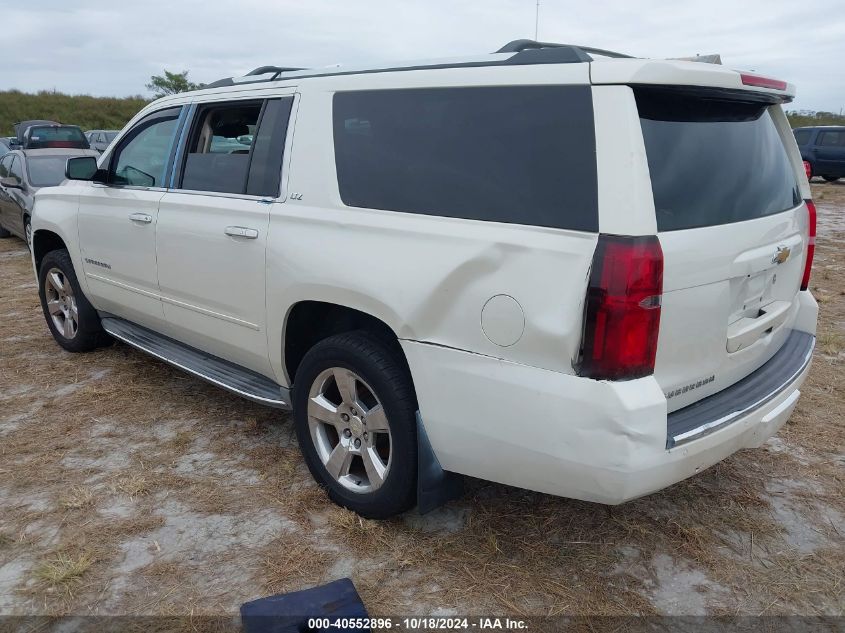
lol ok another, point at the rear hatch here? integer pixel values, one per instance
(733, 228)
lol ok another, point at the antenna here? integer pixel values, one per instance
(536, 19)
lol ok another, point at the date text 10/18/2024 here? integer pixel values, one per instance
(419, 624)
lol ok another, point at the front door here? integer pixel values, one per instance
(830, 153)
(117, 221)
(212, 229)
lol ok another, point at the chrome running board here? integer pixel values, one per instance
(229, 376)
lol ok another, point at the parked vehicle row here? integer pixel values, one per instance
(514, 266)
(22, 173)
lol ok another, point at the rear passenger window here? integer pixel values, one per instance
(216, 159)
(832, 138)
(522, 154)
(237, 148)
(802, 137)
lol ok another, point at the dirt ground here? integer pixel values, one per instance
(128, 487)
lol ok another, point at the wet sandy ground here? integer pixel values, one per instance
(128, 487)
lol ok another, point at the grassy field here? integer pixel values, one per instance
(104, 113)
(129, 487)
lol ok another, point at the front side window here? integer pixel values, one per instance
(515, 154)
(219, 148)
(142, 159)
(832, 138)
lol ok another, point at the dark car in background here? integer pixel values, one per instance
(101, 139)
(54, 136)
(22, 174)
(823, 150)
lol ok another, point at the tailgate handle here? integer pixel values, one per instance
(746, 331)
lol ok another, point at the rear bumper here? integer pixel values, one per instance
(744, 397)
(569, 436)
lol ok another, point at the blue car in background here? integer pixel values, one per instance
(823, 150)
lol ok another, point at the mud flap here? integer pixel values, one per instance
(435, 486)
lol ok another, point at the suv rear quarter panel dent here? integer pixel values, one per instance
(427, 277)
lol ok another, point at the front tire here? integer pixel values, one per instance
(72, 320)
(4, 233)
(355, 415)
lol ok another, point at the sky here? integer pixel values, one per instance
(112, 48)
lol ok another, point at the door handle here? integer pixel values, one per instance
(241, 231)
(143, 218)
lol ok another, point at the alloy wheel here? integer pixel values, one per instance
(350, 430)
(61, 303)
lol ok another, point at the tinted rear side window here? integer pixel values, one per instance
(523, 155)
(802, 137)
(713, 161)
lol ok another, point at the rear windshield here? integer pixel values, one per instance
(46, 171)
(40, 137)
(713, 161)
(517, 154)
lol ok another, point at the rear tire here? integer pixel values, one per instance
(4, 233)
(831, 178)
(72, 320)
(355, 415)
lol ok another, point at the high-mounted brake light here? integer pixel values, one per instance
(762, 82)
(622, 316)
(811, 244)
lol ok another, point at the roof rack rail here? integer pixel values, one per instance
(277, 70)
(518, 46)
(524, 52)
(255, 72)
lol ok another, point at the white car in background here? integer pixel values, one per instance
(553, 267)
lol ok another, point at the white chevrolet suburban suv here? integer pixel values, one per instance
(554, 267)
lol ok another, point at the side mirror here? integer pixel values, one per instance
(11, 183)
(82, 168)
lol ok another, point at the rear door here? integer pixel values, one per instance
(212, 229)
(733, 229)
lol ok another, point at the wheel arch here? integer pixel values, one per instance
(44, 241)
(310, 321)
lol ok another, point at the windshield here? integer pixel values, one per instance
(713, 161)
(46, 171)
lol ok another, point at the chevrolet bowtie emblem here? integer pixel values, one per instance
(781, 255)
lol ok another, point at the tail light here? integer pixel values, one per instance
(622, 316)
(808, 170)
(811, 244)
